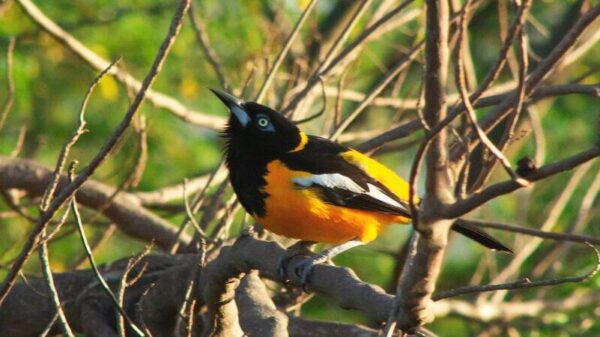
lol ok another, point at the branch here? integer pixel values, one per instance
(423, 264)
(47, 271)
(159, 100)
(283, 53)
(92, 261)
(170, 193)
(479, 198)
(521, 284)
(124, 210)
(209, 52)
(542, 70)
(10, 82)
(66, 149)
(71, 188)
(300, 327)
(376, 90)
(258, 314)
(159, 292)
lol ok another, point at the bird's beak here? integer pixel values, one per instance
(234, 104)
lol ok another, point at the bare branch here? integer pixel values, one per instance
(10, 82)
(101, 156)
(90, 256)
(423, 264)
(160, 100)
(521, 284)
(477, 199)
(170, 193)
(381, 84)
(258, 314)
(124, 210)
(283, 53)
(204, 42)
(543, 69)
(471, 115)
(47, 271)
(64, 152)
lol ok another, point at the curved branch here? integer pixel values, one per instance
(124, 210)
(477, 199)
(160, 100)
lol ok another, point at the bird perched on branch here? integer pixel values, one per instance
(313, 189)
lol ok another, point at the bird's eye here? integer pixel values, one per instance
(263, 122)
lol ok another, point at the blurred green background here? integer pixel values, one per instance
(51, 81)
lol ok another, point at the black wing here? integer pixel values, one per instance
(340, 182)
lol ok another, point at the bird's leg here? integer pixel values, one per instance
(300, 248)
(304, 268)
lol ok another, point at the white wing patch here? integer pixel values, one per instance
(330, 180)
(376, 193)
(340, 181)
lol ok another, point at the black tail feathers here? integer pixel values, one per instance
(475, 233)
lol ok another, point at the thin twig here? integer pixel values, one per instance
(80, 130)
(477, 199)
(102, 154)
(283, 53)
(90, 256)
(131, 263)
(328, 63)
(159, 100)
(555, 209)
(391, 74)
(320, 112)
(20, 142)
(543, 69)
(521, 284)
(47, 271)
(511, 124)
(49, 327)
(190, 214)
(364, 36)
(471, 115)
(494, 72)
(204, 42)
(10, 82)
(584, 215)
(199, 201)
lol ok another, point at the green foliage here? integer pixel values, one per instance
(51, 82)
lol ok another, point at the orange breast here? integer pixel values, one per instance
(300, 214)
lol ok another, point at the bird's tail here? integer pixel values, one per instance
(475, 233)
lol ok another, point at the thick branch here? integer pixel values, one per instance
(123, 209)
(258, 315)
(423, 264)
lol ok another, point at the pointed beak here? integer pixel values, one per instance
(234, 104)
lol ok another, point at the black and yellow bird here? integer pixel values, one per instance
(310, 188)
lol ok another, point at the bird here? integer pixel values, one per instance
(313, 189)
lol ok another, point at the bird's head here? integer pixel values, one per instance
(258, 129)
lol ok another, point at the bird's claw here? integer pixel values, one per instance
(305, 268)
(298, 249)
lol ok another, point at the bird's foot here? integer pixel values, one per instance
(299, 249)
(305, 268)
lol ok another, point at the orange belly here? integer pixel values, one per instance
(300, 214)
